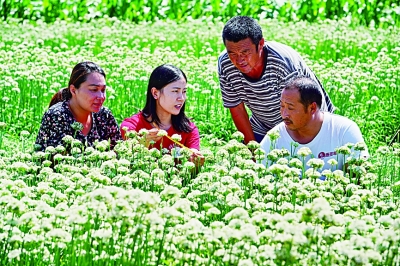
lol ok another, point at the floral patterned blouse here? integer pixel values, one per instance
(57, 121)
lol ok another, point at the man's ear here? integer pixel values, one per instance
(313, 107)
(155, 93)
(261, 45)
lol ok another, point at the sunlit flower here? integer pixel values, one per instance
(238, 136)
(273, 135)
(24, 134)
(176, 137)
(316, 163)
(304, 152)
(162, 133)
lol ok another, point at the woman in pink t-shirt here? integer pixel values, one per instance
(165, 110)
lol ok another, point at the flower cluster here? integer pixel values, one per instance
(235, 210)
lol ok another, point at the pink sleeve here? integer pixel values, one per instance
(131, 123)
(193, 140)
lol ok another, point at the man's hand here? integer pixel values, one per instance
(196, 157)
(242, 122)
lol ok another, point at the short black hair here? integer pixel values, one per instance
(242, 27)
(309, 90)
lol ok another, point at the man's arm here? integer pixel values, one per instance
(242, 123)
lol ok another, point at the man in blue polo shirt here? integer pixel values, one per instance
(253, 72)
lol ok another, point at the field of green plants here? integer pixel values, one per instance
(137, 207)
(382, 13)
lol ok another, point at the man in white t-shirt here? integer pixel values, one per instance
(307, 126)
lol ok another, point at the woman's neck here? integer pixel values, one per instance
(165, 120)
(79, 114)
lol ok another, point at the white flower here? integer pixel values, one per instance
(253, 145)
(332, 162)
(238, 136)
(237, 213)
(77, 126)
(143, 132)
(75, 150)
(170, 192)
(282, 161)
(123, 170)
(176, 137)
(162, 133)
(312, 173)
(294, 162)
(278, 169)
(189, 165)
(103, 233)
(158, 173)
(213, 211)
(273, 135)
(222, 153)
(316, 163)
(304, 152)
(14, 254)
(245, 262)
(20, 167)
(345, 150)
(360, 146)
(58, 234)
(167, 161)
(24, 134)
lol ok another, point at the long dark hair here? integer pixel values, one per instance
(78, 75)
(159, 78)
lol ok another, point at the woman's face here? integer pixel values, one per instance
(171, 98)
(91, 94)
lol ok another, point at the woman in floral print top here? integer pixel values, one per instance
(81, 102)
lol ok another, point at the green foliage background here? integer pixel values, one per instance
(365, 12)
(359, 67)
(352, 61)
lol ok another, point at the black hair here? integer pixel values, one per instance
(242, 27)
(159, 78)
(309, 90)
(78, 75)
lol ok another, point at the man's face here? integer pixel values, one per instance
(244, 55)
(294, 114)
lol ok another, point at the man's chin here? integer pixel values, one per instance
(289, 127)
(244, 70)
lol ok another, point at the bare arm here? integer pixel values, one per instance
(242, 123)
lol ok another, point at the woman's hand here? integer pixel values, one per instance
(152, 136)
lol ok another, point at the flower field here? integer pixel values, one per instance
(137, 206)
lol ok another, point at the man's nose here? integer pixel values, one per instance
(284, 113)
(240, 58)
